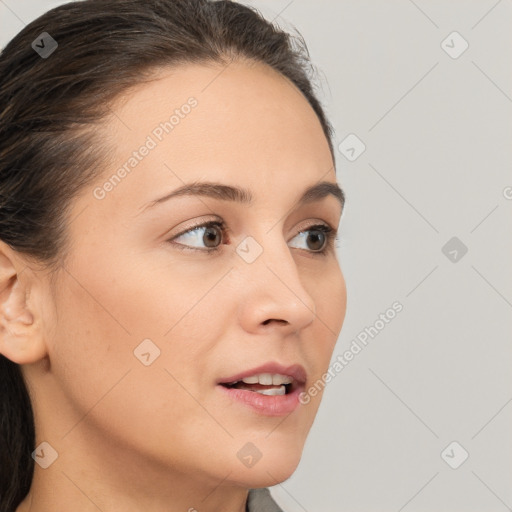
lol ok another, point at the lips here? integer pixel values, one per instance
(270, 389)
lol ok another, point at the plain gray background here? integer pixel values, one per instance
(437, 130)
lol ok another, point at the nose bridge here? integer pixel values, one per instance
(275, 291)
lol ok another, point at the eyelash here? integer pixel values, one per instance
(328, 231)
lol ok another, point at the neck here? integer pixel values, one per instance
(108, 478)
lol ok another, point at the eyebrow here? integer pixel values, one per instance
(241, 195)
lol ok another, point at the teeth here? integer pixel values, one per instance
(272, 391)
(251, 380)
(267, 379)
(277, 379)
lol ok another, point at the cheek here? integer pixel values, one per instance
(105, 385)
(137, 296)
(331, 300)
(335, 301)
(330, 296)
(103, 319)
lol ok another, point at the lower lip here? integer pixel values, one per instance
(276, 405)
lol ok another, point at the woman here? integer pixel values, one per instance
(170, 289)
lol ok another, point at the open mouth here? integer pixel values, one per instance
(284, 389)
(264, 384)
(270, 390)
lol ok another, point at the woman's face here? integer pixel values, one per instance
(148, 319)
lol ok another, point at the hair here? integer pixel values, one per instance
(51, 110)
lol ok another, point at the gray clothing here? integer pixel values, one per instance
(260, 500)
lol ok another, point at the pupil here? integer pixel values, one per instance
(212, 234)
(316, 236)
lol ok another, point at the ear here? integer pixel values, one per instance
(21, 336)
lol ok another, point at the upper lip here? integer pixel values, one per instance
(295, 371)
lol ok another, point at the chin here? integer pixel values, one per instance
(277, 464)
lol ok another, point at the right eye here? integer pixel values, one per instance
(208, 232)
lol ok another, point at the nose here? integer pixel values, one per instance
(272, 292)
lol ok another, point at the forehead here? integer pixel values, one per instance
(241, 123)
(243, 103)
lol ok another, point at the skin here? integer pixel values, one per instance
(162, 437)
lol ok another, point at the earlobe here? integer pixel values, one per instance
(21, 338)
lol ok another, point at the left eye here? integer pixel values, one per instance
(317, 236)
(210, 236)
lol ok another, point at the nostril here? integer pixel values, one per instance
(274, 320)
